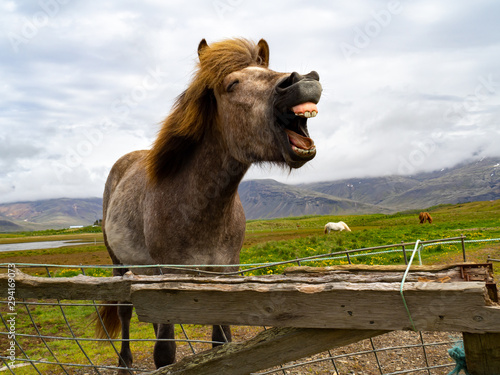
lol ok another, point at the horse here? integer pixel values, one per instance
(235, 112)
(340, 226)
(424, 216)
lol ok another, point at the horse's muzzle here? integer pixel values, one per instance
(295, 101)
(296, 89)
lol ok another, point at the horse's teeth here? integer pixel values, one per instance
(306, 114)
(302, 151)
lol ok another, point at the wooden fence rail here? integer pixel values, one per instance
(312, 309)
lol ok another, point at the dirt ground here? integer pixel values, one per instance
(396, 352)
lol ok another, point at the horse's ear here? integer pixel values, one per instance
(203, 44)
(263, 52)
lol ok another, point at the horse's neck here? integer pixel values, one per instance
(196, 215)
(212, 177)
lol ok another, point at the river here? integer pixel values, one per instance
(38, 245)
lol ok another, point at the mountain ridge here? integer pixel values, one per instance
(267, 198)
(465, 182)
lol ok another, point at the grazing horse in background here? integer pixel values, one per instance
(340, 226)
(424, 216)
(235, 112)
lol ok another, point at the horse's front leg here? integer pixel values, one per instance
(125, 360)
(164, 351)
(221, 334)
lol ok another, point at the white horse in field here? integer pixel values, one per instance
(340, 226)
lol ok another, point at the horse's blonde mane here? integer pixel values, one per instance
(195, 109)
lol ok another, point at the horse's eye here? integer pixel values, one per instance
(232, 85)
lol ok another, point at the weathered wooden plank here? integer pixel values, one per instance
(372, 268)
(269, 348)
(303, 299)
(361, 273)
(462, 307)
(118, 288)
(71, 288)
(482, 353)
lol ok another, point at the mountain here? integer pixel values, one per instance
(52, 213)
(467, 182)
(367, 190)
(271, 199)
(9, 226)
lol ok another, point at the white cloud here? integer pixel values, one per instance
(83, 83)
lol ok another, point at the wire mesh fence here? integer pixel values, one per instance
(57, 336)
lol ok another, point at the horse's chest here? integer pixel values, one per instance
(196, 243)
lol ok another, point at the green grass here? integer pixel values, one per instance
(477, 221)
(94, 272)
(52, 232)
(268, 241)
(50, 322)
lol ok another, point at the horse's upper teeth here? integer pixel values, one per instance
(307, 114)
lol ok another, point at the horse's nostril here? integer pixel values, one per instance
(289, 81)
(295, 77)
(312, 75)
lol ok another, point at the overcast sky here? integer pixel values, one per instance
(407, 85)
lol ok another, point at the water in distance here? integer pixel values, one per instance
(37, 245)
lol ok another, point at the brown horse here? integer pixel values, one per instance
(178, 202)
(424, 216)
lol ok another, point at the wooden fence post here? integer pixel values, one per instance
(482, 353)
(404, 252)
(348, 258)
(462, 239)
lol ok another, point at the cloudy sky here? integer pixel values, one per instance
(407, 85)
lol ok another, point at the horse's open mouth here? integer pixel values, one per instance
(300, 148)
(295, 102)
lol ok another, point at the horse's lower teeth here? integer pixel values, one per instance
(301, 151)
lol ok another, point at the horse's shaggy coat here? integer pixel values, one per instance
(178, 203)
(340, 226)
(425, 216)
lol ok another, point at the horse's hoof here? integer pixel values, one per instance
(124, 369)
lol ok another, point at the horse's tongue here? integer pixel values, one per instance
(299, 141)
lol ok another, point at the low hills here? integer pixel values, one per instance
(49, 214)
(468, 182)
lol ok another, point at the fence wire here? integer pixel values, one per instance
(56, 337)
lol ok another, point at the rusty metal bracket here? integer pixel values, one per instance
(481, 272)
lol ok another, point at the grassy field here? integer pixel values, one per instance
(304, 236)
(290, 238)
(266, 241)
